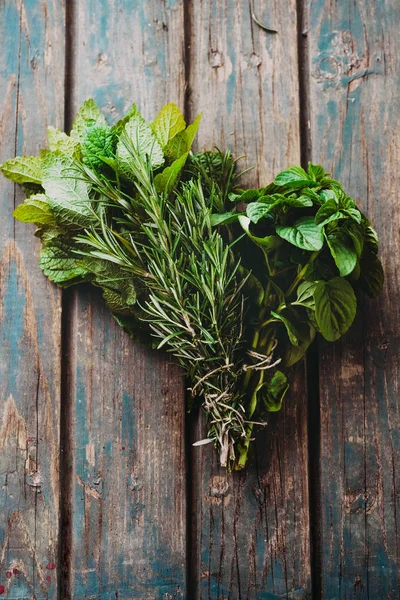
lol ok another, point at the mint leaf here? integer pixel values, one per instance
(23, 169)
(144, 143)
(335, 307)
(304, 234)
(168, 123)
(89, 114)
(99, 146)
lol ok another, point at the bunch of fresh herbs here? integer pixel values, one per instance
(231, 282)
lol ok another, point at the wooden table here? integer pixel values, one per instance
(102, 495)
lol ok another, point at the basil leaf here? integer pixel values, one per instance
(304, 234)
(343, 253)
(335, 307)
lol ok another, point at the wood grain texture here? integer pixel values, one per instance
(31, 97)
(128, 510)
(251, 530)
(355, 133)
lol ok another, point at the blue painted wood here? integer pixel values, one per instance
(354, 116)
(31, 97)
(251, 530)
(128, 504)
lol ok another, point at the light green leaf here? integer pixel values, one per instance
(60, 141)
(257, 210)
(143, 141)
(316, 172)
(23, 169)
(165, 181)
(68, 194)
(335, 307)
(168, 123)
(191, 130)
(304, 234)
(294, 177)
(182, 141)
(89, 114)
(35, 209)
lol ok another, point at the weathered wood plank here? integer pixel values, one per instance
(127, 413)
(251, 530)
(31, 97)
(354, 116)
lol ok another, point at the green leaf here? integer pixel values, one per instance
(294, 177)
(98, 147)
(191, 130)
(304, 234)
(257, 210)
(290, 328)
(354, 213)
(343, 253)
(371, 239)
(89, 114)
(120, 125)
(168, 123)
(266, 204)
(182, 142)
(143, 141)
(274, 391)
(58, 265)
(246, 196)
(223, 218)
(61, 142)
(35, 209)
(23, 169)
(292, 354)
(327, 195)
(268, 242)
(316, 172)
(305, 291)
(68, 194)
(371, 277)
(165, 181)
(357, 234)
(335, 307)
(328, 212)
